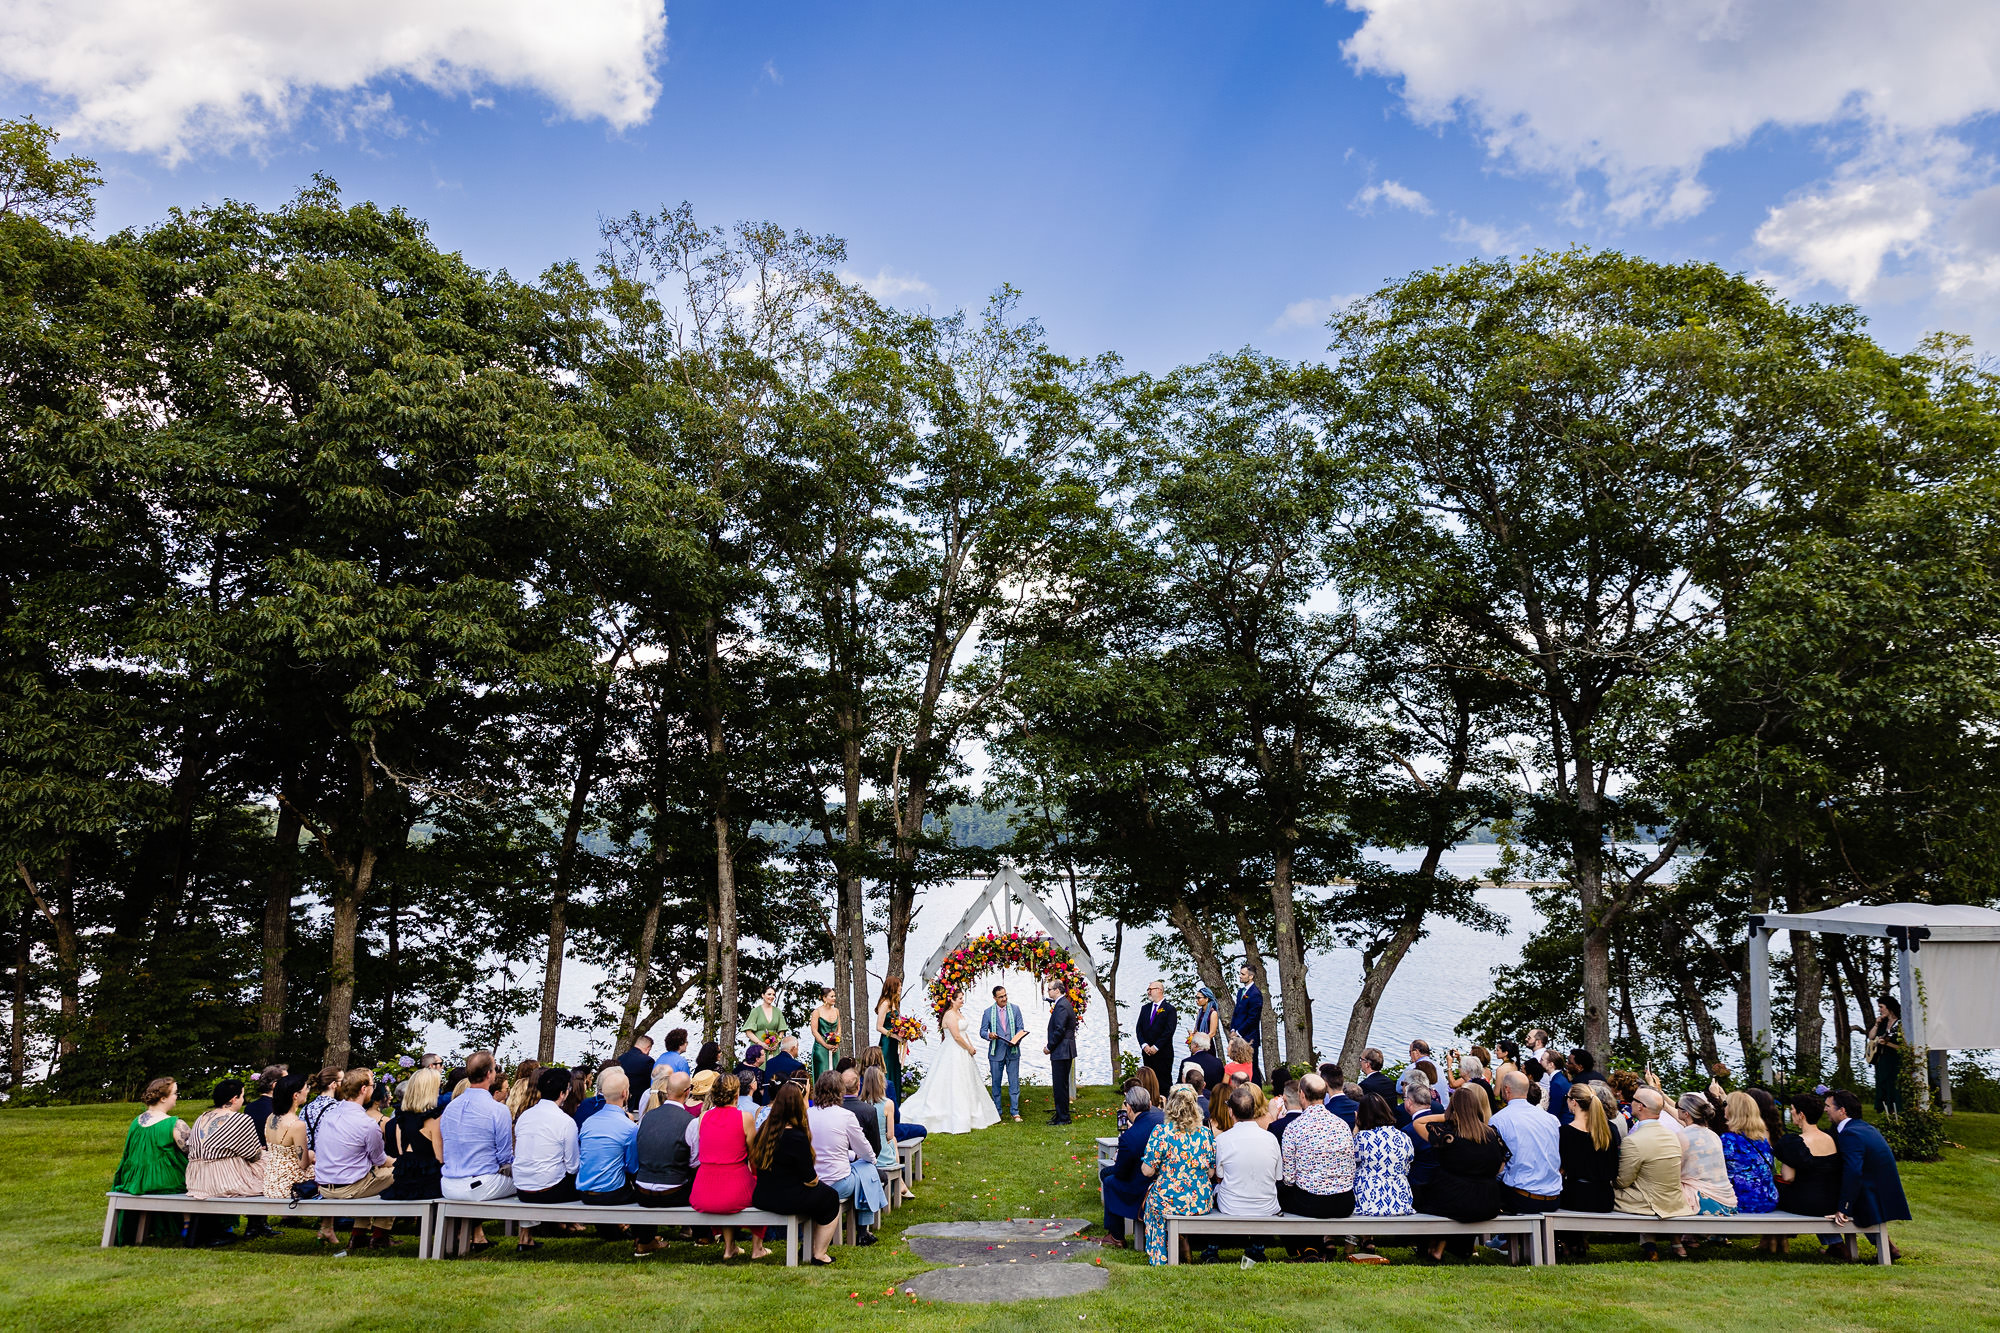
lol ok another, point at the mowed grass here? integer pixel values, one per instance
(56, 1163)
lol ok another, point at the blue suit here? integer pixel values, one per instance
(1124, 1184)
(1248, 1023)
(1558, 1096)
(1871, 1189)
(1003, 1058)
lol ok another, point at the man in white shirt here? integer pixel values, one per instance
(545, 1149)
(1249, 1163)
(1532, 1178)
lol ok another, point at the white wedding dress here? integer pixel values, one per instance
(953, 1098)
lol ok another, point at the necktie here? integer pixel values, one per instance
(1003, 1022)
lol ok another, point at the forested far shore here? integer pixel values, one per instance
(703, 612)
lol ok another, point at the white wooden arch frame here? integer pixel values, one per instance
(1004, 894)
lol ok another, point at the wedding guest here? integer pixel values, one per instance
(524, 1089)
(888, 1161)
(748, 1080)
(846, 1161)
(786, 1166)
(1555, 1083)
(1427, 1071)
(1241, 1065)
(322, 1090)
(637, 1063)
(225, 1156)
(1591, 1151)
(1465, 1182)
(1747, 1154)
(1582, 1067)
(1472, 1073)
(1337, 1100)
(1375, 1081)
(259, 1107)
(545, 1150)
(1649, 1166)
(1507, 1059)
(1533, 1174)
(673, 1051)
(1192, 1078)
(778, 1069)
(864, 1114)
(1248, 1166)
(1871, 1190)
(905, 1130)
(1704, 1170)
(1293, 1102)
(664, 1176)
(1316, 1158)
(477, 1140)
(1383, 1154)
(155, 1159)
(723, 1179)
(1205, 1060)
(1179, 1165)
(349, 1161)
(1419, 1050)
(1420, 1116)
(287, 1161)
(607, 1156)
(415, 1138)
(710, 1057)
(580, 1101)
(1124, 1185)
(1809, 1165)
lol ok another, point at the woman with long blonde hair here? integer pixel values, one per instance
(1747, 1152)
(1180, 1161)
(1589, 1144)
(521, 1090)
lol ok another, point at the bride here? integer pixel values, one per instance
(953, 1098)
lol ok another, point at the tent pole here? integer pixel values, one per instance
(1760, 999)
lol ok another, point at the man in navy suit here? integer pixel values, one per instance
(1157, 1023)
(1871, 1189)
(1061, 1049)
(1248, 1020)
(779, 1068)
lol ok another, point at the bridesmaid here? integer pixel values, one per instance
(1207, 1018)
(766, 1025)
(893, 1049)
(825, 1034)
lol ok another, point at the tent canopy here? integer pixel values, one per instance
(1948, 967)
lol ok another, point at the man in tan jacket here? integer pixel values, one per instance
(1649, 1163)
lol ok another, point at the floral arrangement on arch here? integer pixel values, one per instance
(1013, 951)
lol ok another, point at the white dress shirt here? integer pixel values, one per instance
(1251, 1161)
(544, 1146)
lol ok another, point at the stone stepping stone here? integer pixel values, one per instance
(991, 1284)
(952, 1250)
(1014, 1229)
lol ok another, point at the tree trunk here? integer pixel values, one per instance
(1693, 1007)
(279, 889)
(1291, 955)
(1596, 945)
(17, 1047)
(62, 917)
(1746, 1038)
(856, 941)
(1843, 1025)
(1808, 1053)
(725, 857)
(642, 956)
(1201, 945)
(843, 957)
(579, 801)
(350, 890)
(1375, 974)
(711, 966)
(1268, 1028)
(1633, 1037)
(1107, 986)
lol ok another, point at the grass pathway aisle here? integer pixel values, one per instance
(55, 1164)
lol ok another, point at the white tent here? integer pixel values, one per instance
(1948, 969)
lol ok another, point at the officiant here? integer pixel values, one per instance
(1003, 1028)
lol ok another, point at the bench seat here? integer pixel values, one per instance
(1711, 1224)
(1524, 1231)
(457, 1217)
(424, 1210)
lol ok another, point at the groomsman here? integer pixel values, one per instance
(1061, 1049)
(1248, 1020)
(1157, 1024)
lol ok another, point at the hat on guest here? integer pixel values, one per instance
(703, 1082)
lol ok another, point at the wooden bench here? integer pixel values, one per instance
(1710, 1224)
(457, 1218)
(1523, 1232)
(424, 1210)
(1107, 1155)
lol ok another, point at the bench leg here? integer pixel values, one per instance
(1882, 1256)
(110, 1224)
(424, 1236)
(1173, 1245)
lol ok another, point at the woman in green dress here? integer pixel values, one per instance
(825, 1035)
(766, 1025)
(155, 1160)
(893, 1049)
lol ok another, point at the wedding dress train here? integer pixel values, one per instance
(953, 1098)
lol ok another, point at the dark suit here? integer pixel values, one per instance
(1210, 1067)
(778, 1070)
(1248, 1023)
(1343, 1106)
(1871, 1189)
(1124, 1184)
(1157, 1024)
(871, 1123)
(1382, 1086)
(638, 1067)
(1062, 1053)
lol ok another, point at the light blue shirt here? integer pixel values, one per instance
(478, 1136)
(675, 1060)
(1534, 1143)
(607, 1151)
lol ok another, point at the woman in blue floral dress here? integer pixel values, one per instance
(1180, 1161)
(1746, 1147)
(1382, 1156)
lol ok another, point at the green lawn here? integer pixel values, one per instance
(55, 1164)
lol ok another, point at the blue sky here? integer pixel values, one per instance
(1163, 180)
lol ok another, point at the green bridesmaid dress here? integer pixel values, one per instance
(823, 1056)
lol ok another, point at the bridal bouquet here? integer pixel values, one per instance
(907, 1029)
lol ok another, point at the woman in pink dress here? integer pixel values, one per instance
(723, 1180)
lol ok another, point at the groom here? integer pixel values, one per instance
(1003, 1029)
(1061, 1049)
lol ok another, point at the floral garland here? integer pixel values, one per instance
(994, 952)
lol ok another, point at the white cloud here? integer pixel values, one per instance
(1393, 193)
(1314, 310)
(1486, 237)
(887, 284)
(771, 72)
(174, 77)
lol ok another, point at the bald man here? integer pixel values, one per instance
(1532, 1179)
